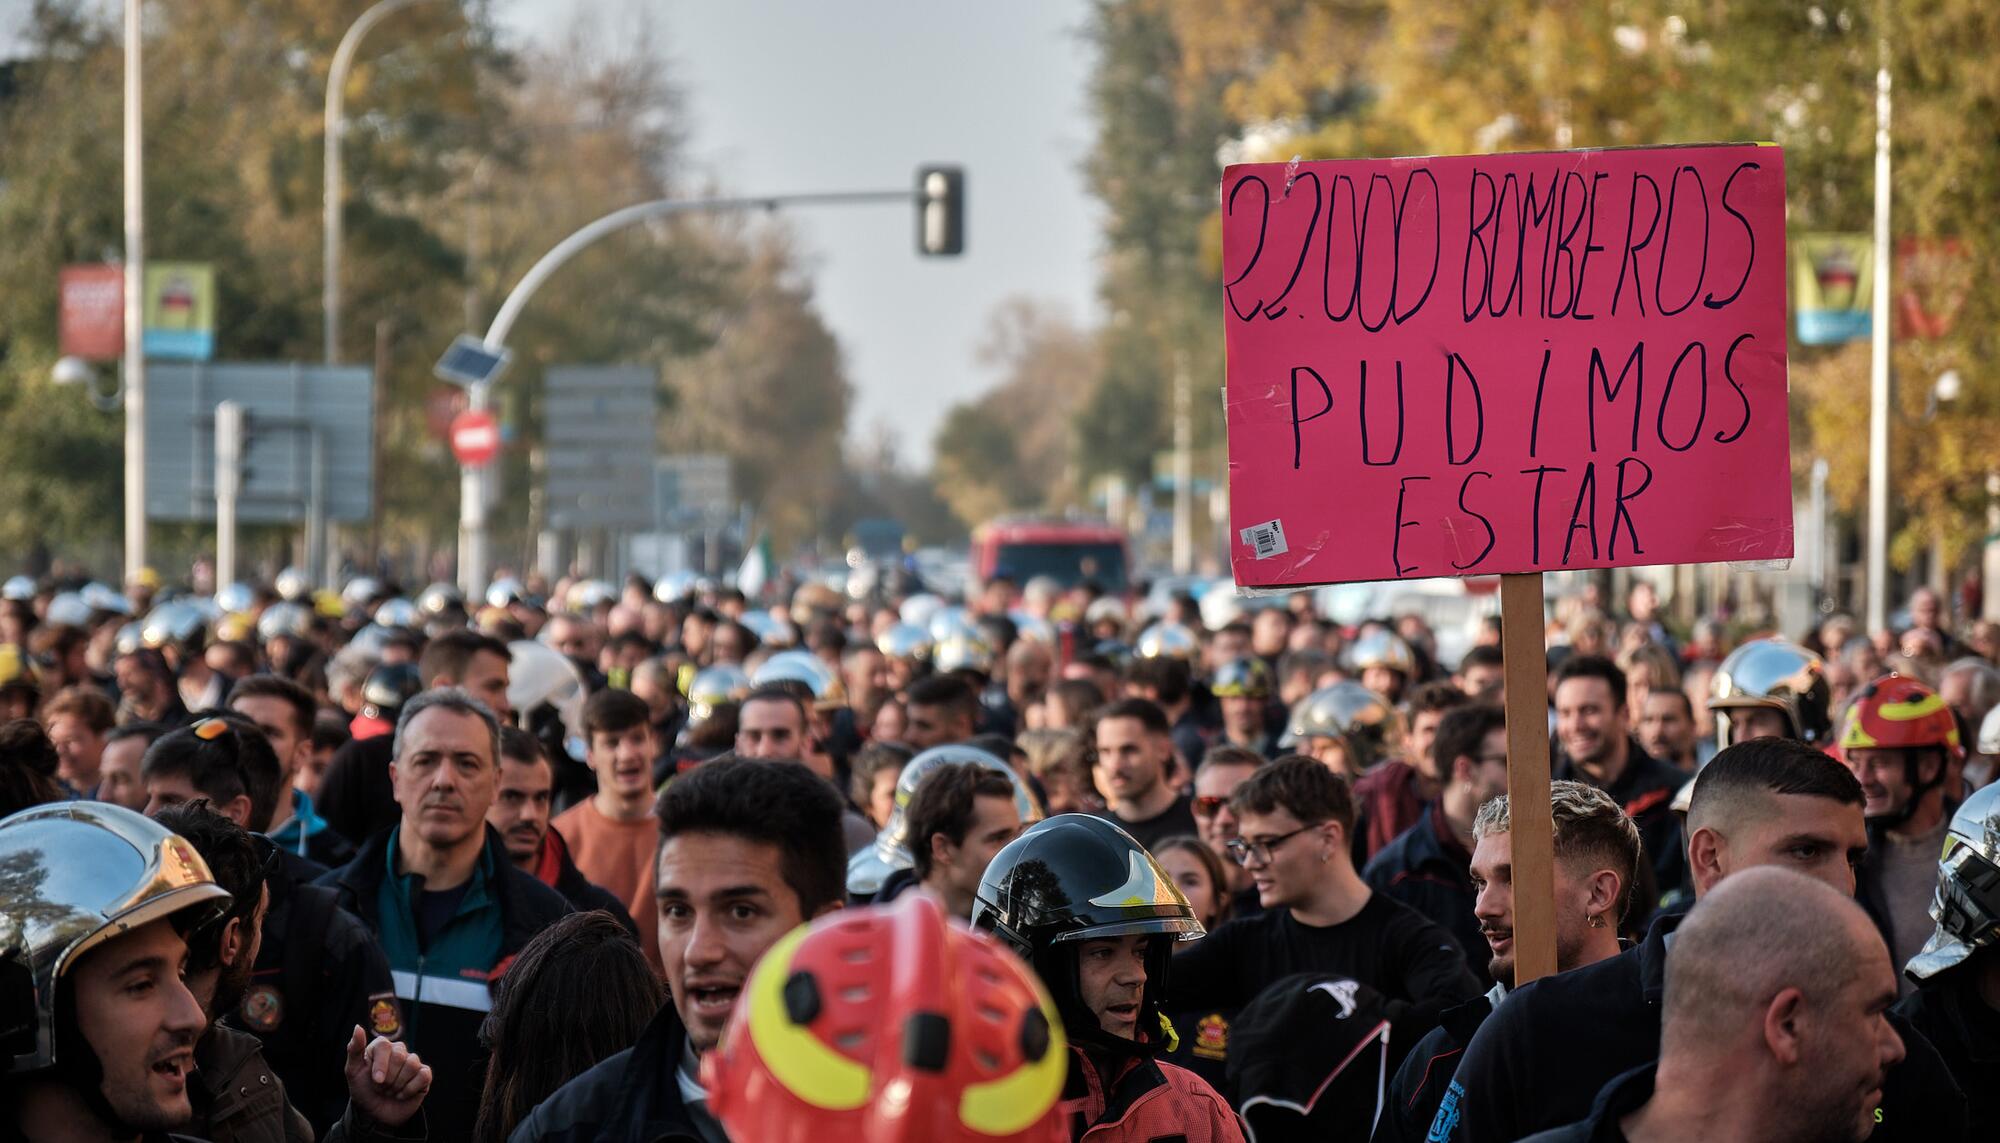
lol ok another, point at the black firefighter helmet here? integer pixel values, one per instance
(1076, 878)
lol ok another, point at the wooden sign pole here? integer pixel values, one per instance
(1532, 828)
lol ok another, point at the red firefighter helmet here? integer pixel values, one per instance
(1896, 712)
(890, 1025)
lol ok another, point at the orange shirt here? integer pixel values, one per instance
(618, 856)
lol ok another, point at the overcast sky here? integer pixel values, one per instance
(808, 95)
(804, 95)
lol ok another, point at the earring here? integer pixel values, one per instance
(1597, 920)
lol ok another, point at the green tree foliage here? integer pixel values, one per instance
(1155, 168)
(464, 163)
(1178, 84)
(1013, 448)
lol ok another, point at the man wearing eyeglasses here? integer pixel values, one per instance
(1295, 818)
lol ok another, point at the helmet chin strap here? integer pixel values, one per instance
(79, 1068)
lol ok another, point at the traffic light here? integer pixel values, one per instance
(940, 211)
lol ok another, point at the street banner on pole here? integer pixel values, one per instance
(1833, 280)
(180, 310)
(1506, 363)
(93, 312)
(1933, 277)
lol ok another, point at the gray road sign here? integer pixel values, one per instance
(598, 432)
(308, 432)
(693, 490)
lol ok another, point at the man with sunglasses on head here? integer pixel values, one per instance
(1295, 818)
(1222, 770)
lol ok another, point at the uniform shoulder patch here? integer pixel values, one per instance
(263, 1009)
(384, 1018)
(1211, 1037)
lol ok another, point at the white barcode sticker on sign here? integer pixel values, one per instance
(1266, 540)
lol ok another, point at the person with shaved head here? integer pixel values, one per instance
(1539, 1061)
(1775, 1026)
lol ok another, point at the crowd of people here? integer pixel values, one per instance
(594, 861)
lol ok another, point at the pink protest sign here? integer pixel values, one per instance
(1506, 363)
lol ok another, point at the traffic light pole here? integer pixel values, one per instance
(477, 486)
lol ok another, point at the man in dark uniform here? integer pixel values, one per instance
(1540, 1058)
(1594, 730)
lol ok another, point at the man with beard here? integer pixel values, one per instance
(1775, 1025)
(1667, 730)
(1428, 866)
(520, 815)
(236, 1094)
(1596, 857)
(1593, 727)
(1539, 1058)
(1133, 770)
(146, 690)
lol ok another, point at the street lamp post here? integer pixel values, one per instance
(135, 312)
(1878, 366)
(475, 484)
(336, 110)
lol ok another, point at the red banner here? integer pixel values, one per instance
(93, 312)
(1467, 365)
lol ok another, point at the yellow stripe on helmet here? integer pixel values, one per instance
(1013, 1103)
(801, 1061)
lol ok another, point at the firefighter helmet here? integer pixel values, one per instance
(890, 1025)
(79, 874)
(1774, 674)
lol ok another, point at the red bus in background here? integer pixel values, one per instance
(1066, 551)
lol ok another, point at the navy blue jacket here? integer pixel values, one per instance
(1417, 870)
(1419, 1084)
(1540, 1058)
(441, 1019)
(632, 1097)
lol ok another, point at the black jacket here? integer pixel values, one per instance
(445, 1030)
(1419, 1084)
(319, 972)
(1541, 1057)
(1417, 870)
(632, 1097)
(356, 797)
(1616, 1100)
(1965, 1030)
(1645, 791)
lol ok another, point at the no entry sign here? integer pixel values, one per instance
(475, 438)
(1506, 363)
